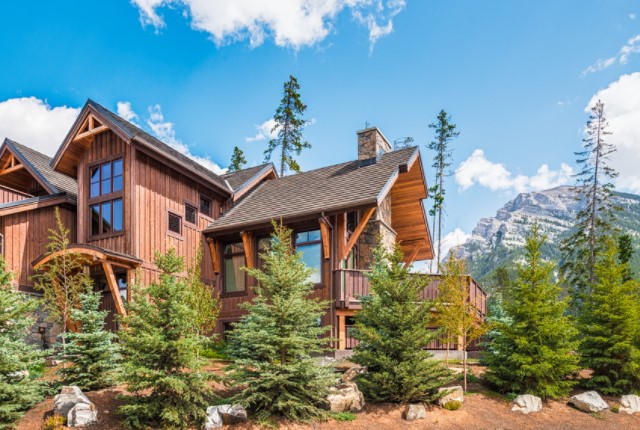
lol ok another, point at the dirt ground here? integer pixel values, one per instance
(482, 410)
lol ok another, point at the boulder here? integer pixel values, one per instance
(345, 397)
(69, 397)
(630, 404)
(527, 403)
(589, 401)
(352, 372)
(217, 416)
(453, 393)
(82, 415)
(214, 420)
(415, 411)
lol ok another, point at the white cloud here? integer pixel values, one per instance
(452, 240)
(631, 47)
(477, 169)
(622, 109)
(125, 110)
(632, 16)
(291, 23)
(33, 122)
(265, 131)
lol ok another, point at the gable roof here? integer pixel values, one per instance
(239, 178)
(39, 166)
(131, 132)
(332, 188)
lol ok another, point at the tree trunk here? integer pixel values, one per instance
(464, 361)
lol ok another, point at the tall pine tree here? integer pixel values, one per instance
(393, 331)
(609, 327)
(625, 254)
(92, 351)
(271, 346)
(445, 132)
(596, 220)
(534, 351)
(160, 354)
(237, 160)
(288, 125)
(19, 390)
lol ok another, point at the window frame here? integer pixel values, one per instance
(101, 199)
(188, 204)
(223, 269)
(210, 214)
(171, 232)
(320, 283)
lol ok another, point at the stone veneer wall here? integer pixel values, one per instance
(379, 226)
(370, 143)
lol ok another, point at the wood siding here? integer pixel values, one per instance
(7, 195)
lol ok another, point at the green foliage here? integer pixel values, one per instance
(18, 389)
(453, 405)
(202, 299)
(533, 350)
(393, 331)
(609, 328)
(625, 254)
(160, 349)
(54, 422)
(237, 160)
(289, 126)
(216, 351)
(271, 346)
(92, 350)
(344, 416)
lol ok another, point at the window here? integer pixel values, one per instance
(264, 243)
(309, 243)
(105, 198)
(205, 206)
(175, 223)
(234, 259)
(190, 213)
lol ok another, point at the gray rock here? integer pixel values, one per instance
(589, 401)
(67, 399)
(20, 374)
(52, 362)
(214, 420)
(630, 404)
(527, 403)
(352, 372)
(345, 397)
(453, 393)
(414, 412)
(82, 415)
(217, 416)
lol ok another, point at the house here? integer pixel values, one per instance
(125, 195)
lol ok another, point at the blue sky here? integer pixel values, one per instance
(515, 76)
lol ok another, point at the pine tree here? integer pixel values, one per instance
(19, 390)
(62, 279)
(596, 220)
(159, 347)
(94, 355)
(609, 328)
(445, 132)
(535, 352)
(271, 346)
(237, 160)
(625, 254)
(289, 126)
(393, 331)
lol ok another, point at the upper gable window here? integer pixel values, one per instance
(106, 211)
(205, 206)
(106, 178)
(190, 213)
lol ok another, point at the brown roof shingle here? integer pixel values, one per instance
(237, 179)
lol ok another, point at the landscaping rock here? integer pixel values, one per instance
(352, 372)
(455, 393)
(19, 374)
(415, 411)
(67, 399)
(217, 416)
(630, 404)
(82, 415)
(214, 420)
(345, 397)
(589, 401)
(527, 403)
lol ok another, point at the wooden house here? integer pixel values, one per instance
(125, 195)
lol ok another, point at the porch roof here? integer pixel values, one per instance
(98, 255)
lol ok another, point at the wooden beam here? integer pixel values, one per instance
(90, 133)
(366, 216)
(342, 332)
(215, 256)
(247, 241)
(10, 162)
(414, 253)
(14, 168)
(326, 242)
(341, 234)
(113, 286)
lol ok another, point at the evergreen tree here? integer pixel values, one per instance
(445, 132)
(159, 347)
(18, 388)
(609, 328)
(534, 353)
(625, 254)
(596, 220)
(393, 331)
(62, 279)
(289, 126)
(271, 346)
(91, 349)
(237, 160)
(202, 299)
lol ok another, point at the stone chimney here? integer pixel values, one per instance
(372, 143)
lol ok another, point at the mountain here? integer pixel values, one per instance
(498, 240)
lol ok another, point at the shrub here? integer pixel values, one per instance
(453, 405)
(344, 416)
(54, 422)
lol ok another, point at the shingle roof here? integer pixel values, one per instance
(329, 188)
(133, 132)
(237, 179)
(41, 164)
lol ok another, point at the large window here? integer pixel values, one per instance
(309, 243)
(235, 280)
(105, 198)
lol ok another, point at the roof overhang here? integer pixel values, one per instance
(17, 172)
(268, 172)
(94, 255)
(33, 203)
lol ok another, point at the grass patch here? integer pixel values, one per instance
(343, 416)
(216, 351)
(615, 409)
(453, 405)
(54, 422)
